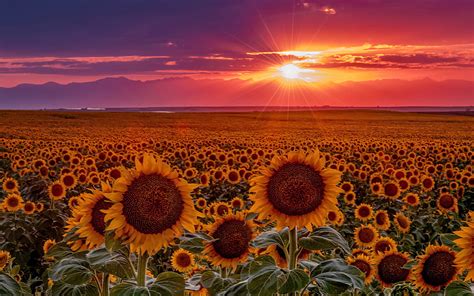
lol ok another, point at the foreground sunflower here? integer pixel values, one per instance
(92, 224)
(13, 202)
(151, 206)
(232, 234)
(365, 235)
(10, 185)
(182, 261)
(364, 212)
(465, 257)
(390, 269)
(295, 190)
(435, 269)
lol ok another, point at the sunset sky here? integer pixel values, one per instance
(326, 41)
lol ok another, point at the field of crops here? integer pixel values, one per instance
(300, 203)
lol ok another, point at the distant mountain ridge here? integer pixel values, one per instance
(121, 92)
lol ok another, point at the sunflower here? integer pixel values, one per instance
(376, 188)
(349, 198)
(412, 199)
(221, 208)
(237, 203)
(57, 190)
(435, 269)
(72, 224)
(382, 220)
(364, 264)
(10, 185)
(427, 183)
(447, 203)
(365, 235)
(5, 258)
(92, 224)
(335, 217)
(233, 176)
(73, 202)
(347, 186)
(13, 202)
(48, 244)
(295, 190)
(69, 180)
(151, 206)
(29, 207)
(391, 190)
(232, 234)
(39, 207)
(364, 212)
(182, 261)
(402, 222)
(201, 203)
(465, 257)
(384, 244)
(389, 268)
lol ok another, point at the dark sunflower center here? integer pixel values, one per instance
(391, 189)
(13, 202)
(97, 215)
(363, 266)
(296, 189)
(232, 239)
(427, 183)
(222, 210)
(10, 185)
(411, 199)
(183, 260)
(439, 269)
(233, 176)
(364, 212)
(152, 204)
(382, 246)
(57, 190)
(390, 269)
(68, 181)
(402, 221)
(29, 207)
(366, 235)
(332, 216)
(380, 218)
(446, 201)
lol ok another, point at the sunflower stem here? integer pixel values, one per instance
(105, 284)
(142, 261)
(293, 248)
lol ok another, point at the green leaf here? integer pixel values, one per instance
(168, 284)
(60, 289)
(8, 285)
(114, 263)
(238, 289)
(127, 288)
(458, 288)
(111, 243)
(334, 276)
(59, 250)
(194, 242)
(214, 282)
(293, 281)
(325, 238)
(72, 271)
(264, 277)
(271, 237)
(447, 239)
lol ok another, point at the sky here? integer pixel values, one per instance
(324, 41)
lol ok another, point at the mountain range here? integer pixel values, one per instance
(121, 92)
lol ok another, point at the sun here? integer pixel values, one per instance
(292, 71)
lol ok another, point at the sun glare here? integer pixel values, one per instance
(292, 71)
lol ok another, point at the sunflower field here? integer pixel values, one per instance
(332, 203)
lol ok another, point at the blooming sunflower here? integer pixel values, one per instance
(182, 260)
(151, 206)
(447, 203)
(335, 217)
(389, 268)
(10, 185)
(237, 203)
(364, 212)
(69, 180)
(48, 244)
(427, 183)
(13, 202)
(29, 207)
(435, 269)
(391, 190)
(412, 199)
(4, 259)
(295, 190)
(232, 234)
(57, 190)
(384, 244)
(402, 222)
(92, 224)
(365, 235)
(382, 220)
(221, 208)
(365, 264)
(201, 203)
(465, 257)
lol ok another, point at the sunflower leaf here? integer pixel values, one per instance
(168, 284)
(271, 237)
(335, 276)
(293, 281)
(127, 288)
(60, 289)
(72, 271)
(8, 285)
(325, 238)
(115, 263)
(458, 288)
